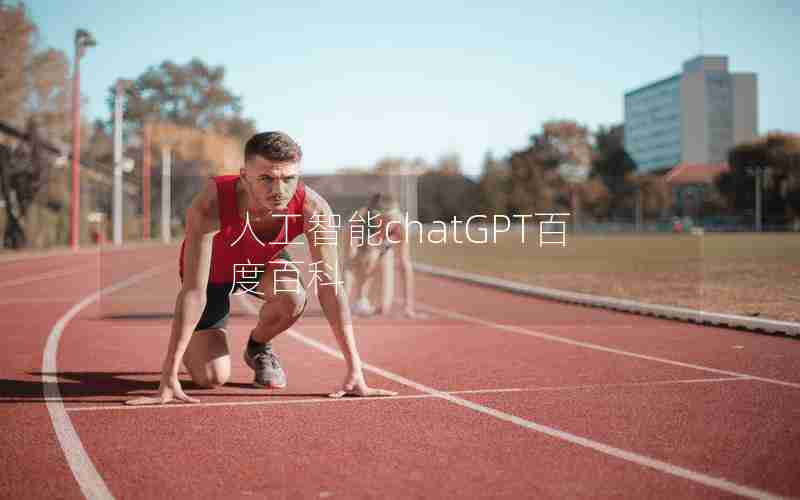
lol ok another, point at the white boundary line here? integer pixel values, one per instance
(389, 398)
(714, 482)
(667, 312)
(89, 480)
(532, 333)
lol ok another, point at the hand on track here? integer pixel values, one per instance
(355, 385)
(169, 390)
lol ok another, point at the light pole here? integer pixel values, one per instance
(83, 39)
(166, 201)
(759, 179)
(146, 181)
(121, 86)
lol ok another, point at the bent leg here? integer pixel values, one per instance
(207, 358)
(282, 307)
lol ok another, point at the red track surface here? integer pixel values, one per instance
(544, 400)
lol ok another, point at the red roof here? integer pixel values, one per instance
(695, 173)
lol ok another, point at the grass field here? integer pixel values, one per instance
(737, 273)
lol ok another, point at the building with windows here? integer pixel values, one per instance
(692, 117)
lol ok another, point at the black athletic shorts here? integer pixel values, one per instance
(218, 300)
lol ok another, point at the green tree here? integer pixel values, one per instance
(494, 186)
(192, 94)
(614, 166)
(33, 95)
(780, 153)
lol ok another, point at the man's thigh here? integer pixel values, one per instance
(281, 276)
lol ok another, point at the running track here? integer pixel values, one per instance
(501, 396)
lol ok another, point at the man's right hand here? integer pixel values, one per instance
(170, 389)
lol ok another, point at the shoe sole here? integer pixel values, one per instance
(268, 386)
(256, 384)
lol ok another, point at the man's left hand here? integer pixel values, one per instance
(355, 385)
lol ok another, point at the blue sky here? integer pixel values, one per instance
(355, 81)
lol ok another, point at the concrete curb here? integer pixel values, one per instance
(667, 312)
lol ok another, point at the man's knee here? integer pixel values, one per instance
(287, 304)
(212, 379)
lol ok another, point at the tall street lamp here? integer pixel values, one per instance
(119, 91)
(83, 39)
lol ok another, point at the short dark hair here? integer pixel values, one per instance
(274, 146)
(380, 202)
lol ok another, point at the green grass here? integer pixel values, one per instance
(742, 273)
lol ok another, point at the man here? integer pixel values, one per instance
(374, 232)
(246, 220)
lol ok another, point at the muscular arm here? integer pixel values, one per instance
(331, 296)
(202, 222)
(333, 300)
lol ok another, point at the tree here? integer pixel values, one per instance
(16, 40)
(191, 95)
(443, 196)
(494, 186)
(563, 141)
(780, 153)
(48, 97)
(613, 165)
(23, 172)
(449, 164)
(33, 93)
(655, 194)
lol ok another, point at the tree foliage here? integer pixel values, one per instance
(192, 95)
(778, 154)
(34, 94)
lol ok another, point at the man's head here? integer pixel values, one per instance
(271, 169)
(385, 206)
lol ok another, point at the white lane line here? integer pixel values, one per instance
(555, 388)
(115, 407)
(89, 480)
(56, 273)
(565, 340)
(236, 403)
(714, 482)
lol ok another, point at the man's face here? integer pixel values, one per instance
(270, 184)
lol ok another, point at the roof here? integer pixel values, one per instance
(650, 85)
(695, 173)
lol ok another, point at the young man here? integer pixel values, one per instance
(374, 232)
(247, 220)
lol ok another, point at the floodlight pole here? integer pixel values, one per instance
(639, 209)
(146, 182)
(759, 173)
(83, 39)
(166, 181)
(117, 208)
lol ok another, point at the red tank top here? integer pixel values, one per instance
(227, 251)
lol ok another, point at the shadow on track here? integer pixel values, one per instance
(76, 385)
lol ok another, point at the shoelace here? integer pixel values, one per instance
(267, 358)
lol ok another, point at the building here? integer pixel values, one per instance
(692, 117)
(690, 184)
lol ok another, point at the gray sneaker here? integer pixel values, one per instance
(267, 368)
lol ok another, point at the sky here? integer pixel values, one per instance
(357, 81)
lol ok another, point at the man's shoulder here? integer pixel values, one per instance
(314, 203)
(206, 203)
